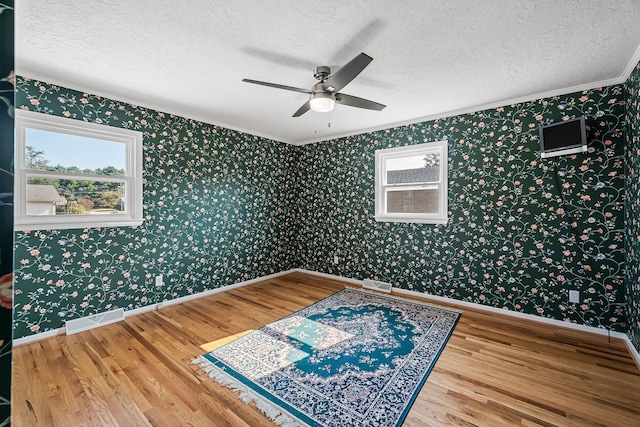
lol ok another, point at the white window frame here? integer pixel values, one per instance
(132, 179)
(383, 155)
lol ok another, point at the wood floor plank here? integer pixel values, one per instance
(496, 370)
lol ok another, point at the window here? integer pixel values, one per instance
(74, 174)
(411, 183)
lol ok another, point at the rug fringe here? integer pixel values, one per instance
(272, 411)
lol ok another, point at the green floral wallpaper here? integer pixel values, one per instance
(222, 207)
(511, 242)
(632, 212)
(216, 206)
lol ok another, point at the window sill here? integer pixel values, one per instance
(411, 219)
(63, 224)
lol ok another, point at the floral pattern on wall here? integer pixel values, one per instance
(222, 207)
(216, 210)
(511, 241)
(632, 212)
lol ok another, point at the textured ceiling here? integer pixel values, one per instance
(431, 58)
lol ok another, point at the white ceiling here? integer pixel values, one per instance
(431, 58)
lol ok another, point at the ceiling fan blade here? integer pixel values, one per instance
(305, 107)
(354, 101)
(277, 86)
(348, 72)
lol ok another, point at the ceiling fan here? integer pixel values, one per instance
(325, 94)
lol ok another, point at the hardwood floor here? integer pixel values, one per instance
(495, 370)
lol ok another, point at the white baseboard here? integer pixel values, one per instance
(328, 276)
(635, 355)
(151, 307)
(632, 350)
(179, 300)
(39, 337)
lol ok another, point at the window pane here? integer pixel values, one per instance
(46, 150)
(420, 168)
(52, 196)
(412, 201)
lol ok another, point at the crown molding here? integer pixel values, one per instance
(157, 104)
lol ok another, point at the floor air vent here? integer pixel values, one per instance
(376, 285)
(90, 322)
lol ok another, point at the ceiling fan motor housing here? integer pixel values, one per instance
(322, 73)
(317, 89)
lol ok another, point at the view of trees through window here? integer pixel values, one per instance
(78, 196)
(432, 160)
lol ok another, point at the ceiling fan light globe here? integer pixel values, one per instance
(322, 104)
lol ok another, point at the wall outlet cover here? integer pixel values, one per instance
(574, 296)
(159, 281)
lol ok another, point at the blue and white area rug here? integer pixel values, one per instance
(356, 358)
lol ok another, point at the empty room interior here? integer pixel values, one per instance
(363, 213)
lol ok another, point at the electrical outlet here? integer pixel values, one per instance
(336, 260)
(159, 281)
(574, 296)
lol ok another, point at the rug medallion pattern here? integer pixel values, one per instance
(355, 358)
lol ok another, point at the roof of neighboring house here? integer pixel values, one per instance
(404, 176)
(44, 193)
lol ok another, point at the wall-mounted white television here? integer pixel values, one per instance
(567, 137)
